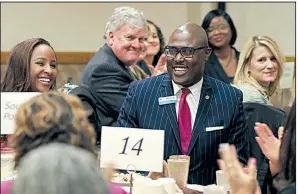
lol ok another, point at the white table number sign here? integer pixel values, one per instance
(143, 148)
(10, 102)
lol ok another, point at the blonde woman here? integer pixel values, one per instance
(259, 69)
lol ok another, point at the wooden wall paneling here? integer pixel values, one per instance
(62, 57)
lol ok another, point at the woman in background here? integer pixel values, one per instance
(222, 35)
(259, 69)
(32, 67)
(155, 47)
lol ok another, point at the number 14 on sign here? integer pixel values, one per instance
(139, 143)
(143, 148)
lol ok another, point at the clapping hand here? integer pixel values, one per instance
(269, 144)
(239, 181)
(161, 66)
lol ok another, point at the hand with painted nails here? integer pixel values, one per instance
(269, 144)
(239, 181)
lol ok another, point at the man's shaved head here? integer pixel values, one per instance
(187, 52)
(195, 31)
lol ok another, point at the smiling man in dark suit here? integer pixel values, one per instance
(196, 112)
(105, 79)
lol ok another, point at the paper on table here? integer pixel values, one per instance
(135, 147)
(10, 101)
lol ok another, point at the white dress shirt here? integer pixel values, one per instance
(193, 98)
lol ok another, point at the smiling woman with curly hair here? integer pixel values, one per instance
(51, 117)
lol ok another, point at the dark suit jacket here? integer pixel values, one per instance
(220, 105)
(104, 83)
(274, 118)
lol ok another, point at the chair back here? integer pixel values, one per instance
(274, 118)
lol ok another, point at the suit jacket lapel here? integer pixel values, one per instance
(204, 105)
(167, 90)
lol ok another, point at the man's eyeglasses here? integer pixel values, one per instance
(186, 52)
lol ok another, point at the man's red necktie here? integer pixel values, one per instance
(184, 121)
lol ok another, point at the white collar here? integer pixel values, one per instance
(194, 89)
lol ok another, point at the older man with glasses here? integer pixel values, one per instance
(200, 112)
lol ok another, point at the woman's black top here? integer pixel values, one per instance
(214, 69)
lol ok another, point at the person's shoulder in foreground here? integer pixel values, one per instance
(6, 187)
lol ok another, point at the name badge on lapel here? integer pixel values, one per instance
(167, 100)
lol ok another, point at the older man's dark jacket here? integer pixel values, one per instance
(103, 86)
